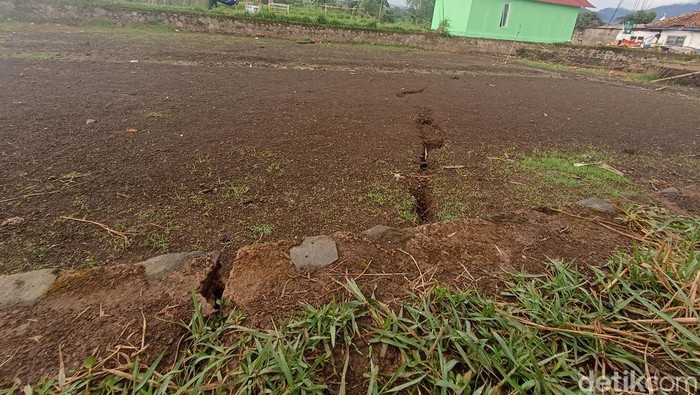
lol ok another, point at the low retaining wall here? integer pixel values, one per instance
(199, 22)
(46, 12)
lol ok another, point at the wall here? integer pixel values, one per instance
(692, 38)
(529, 20)
(602, 35)
(35, 11)
(455, 11)
(535, 21)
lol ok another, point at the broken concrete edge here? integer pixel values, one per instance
(597, 204)
(162, 265)
(388, 234)
(23, 289)
(26, 289)
(314, 252)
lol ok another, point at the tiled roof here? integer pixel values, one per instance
(691, 19)
(573, 3)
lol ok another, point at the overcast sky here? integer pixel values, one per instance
(629, 4)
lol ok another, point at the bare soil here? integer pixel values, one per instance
(203, 142)
(240, 139)
(116, 313)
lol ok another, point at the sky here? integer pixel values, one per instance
(600, 4)
(629, 4)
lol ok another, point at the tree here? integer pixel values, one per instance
(373, 8)
(421, 11)
(638, 17)
(588, 19)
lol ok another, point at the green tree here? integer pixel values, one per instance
(588, 19)
(421, 11)
(638, 17)
(372, 8)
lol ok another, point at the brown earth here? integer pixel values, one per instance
(213, 142)
(111, 311)
(115, 311)
(242, 139)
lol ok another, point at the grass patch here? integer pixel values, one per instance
(383, 196)
(598, 72)
(564, 68)
(305, 15)
(262, 230)
(643, 77)
(554, 177)
(452, 206)
(639, 313)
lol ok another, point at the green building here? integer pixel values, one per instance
(545, 21)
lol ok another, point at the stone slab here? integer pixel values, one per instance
(25, 288)
(314, 252)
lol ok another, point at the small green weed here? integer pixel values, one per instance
(158, 115)
(159, 242)
(262, 230)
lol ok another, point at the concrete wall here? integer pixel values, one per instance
(602, 35)
(690, 45)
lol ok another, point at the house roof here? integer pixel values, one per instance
(572, 3)
(689, 20)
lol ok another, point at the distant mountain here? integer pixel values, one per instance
(670, 10)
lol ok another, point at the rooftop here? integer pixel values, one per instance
(691, 19)
(572, 3)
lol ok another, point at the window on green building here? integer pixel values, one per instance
(505, 15)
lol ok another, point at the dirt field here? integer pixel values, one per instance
(204, 142)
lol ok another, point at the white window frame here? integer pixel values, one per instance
(673, 41)
(505, 15)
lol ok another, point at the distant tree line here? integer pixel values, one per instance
(638, 17)
(592, 19)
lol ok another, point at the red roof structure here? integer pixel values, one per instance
(572, 3)
(689, 20)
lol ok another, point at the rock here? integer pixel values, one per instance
(25, 288)
(90, 121)
(596, 204)
(162, 265)
(670, 191)
(12, 221)
(225, 238)
(314, 252)
(639, 198)
(387, 234)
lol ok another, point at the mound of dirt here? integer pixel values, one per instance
(101, 312)
(473, 253)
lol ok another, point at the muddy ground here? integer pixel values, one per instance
(203, 142)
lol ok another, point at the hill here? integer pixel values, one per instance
(670, 10)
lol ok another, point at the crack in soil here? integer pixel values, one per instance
(432, 137)
(213, 286)
(411, 92)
